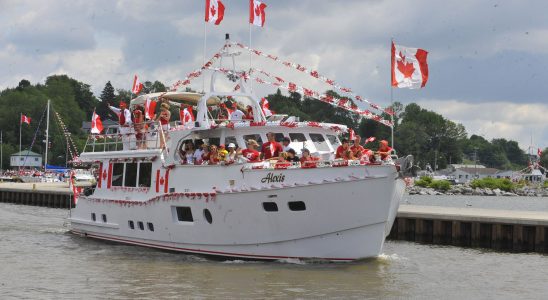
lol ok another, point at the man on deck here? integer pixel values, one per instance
(271, 148)
(126, 130)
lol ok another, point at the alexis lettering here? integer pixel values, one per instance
(270, 177)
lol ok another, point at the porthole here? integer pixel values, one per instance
(270, 206)
(93, 218)
(131, 224)
(104, 217)
(150, 226)
(141, 225)
(207, 216)
(296, 205)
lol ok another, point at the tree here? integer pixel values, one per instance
(23, 84)
(107, 96)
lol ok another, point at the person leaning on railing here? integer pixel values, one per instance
(139, 126)
(163, 118)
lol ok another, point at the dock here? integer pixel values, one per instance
(506, 230)
(56, 195)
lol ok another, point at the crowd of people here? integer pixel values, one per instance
(281, 154)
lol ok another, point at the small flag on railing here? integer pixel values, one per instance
(96, 124)
(370, 139)
(25, 119)
(150, 109)
(352, 135)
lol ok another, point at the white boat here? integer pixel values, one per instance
(334, 211)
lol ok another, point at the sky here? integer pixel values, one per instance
(488, 60)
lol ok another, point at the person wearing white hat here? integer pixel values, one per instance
(230, 157)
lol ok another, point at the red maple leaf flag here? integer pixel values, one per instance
(137, 85)
(256, 13)
(186, 115)
(265, 106)
(539, 152)
(409, 67)
(150, 109)
(25, 119)
(214, 11)
(351, 134)
(96, 124)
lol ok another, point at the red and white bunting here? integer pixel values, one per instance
(96, 124)
(256, 13)
(409, 67)
(316, 75)
(137, 85)
(214, 11)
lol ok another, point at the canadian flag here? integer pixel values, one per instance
(539, 152)
(150, 109)
(409, 67)
(265, 106)
(256, 12)
(96, 124)
(370, 139)
(214, 11)
(25, 119)
(352, 135)
(186, 115)
(137, 85)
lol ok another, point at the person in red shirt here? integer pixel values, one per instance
(384, 150)
(271, 149)
(343, 151)
(250, 153)
(308, 161)
(357, 149)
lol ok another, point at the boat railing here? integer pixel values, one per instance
(276, 165)
(145, 136)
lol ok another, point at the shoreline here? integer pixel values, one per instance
(466, 190)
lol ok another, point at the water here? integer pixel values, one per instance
(39, 259)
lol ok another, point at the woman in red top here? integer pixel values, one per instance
(214, 156)
(139, 126)
(250, 153)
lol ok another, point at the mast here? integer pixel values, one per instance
(47, 139)
(20, 123)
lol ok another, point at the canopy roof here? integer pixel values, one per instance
(180, 97)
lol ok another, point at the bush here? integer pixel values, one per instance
(440, 185)
(493, 183)
(424, 181)
(545, 185)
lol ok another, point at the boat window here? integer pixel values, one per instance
(270, 206)
(184, 214)
(256, 137)
(207, 216)
(104, 217)
(131, 224)
(150, 226)
(296, 205)
(117, 174)
(213, 141)
(319, 142)
(145, 174)
(297, 137)
(130, 180)
(279, 137)
(230, 139)
(93, 218)
(141, 225)
(333, 140)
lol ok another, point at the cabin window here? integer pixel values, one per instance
(279, 137)
(333, 140)
(256, 137)
(207, 216)
(213, 141)
(297, 137)
(296, 205)
(93, 218)
(150, 226)
(145, 174)
(184, 214)
(270, 206)
(131, 224)
(319, 142)
(104, 217)
(230, 139)
(141, 225)
(117, 174)
(130, 179)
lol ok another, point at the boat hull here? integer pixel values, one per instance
(342, 220)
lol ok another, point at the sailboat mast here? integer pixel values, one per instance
(47, 139)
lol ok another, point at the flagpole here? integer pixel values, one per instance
(204, 59)
(20, 121)
(391, 98)
(250, 58)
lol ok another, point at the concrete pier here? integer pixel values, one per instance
(517, 231)
(57, 195)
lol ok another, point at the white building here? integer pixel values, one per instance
(26, 158)
(463, 175)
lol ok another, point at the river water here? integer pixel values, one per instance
(40, 260)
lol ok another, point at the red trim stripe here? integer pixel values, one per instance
(203, 251)
(157, 181)
(166, 181)
(109, 180)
